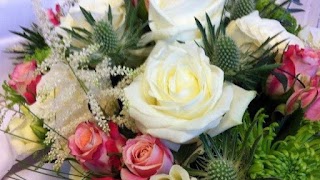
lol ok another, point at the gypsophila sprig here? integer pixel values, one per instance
(97, 113)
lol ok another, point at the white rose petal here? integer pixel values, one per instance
(251, 31)
(180, 95)
(311, 36)
(176, 173)
(175, 19)
(20, 127)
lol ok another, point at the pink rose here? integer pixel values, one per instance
(308, 99)
(297, 63)
(96, 150)
(55, 17)
(24, 80)
(145, 156)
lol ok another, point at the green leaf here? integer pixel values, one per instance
(282, 79)
(88, 16)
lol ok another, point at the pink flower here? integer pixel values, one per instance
(104, 178)
(146, 2)
(96, 150)
(55, 17)
(145, 156)
(274, 86)
(24, 80)
(303, 64)
(308, 99)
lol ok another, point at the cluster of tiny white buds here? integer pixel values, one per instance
(130, 76)
(80, 58)
(97, 112)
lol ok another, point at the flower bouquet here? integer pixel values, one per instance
(160, 89)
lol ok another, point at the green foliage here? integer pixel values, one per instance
(34, 41)
(118, 44)
(39, 55)
(11, 96)
(295, 157)
(231, 152)
(242, 8)
(253, 67)
(269, 9)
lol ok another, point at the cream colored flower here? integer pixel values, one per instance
(249, 32)
(24, 140)
(176, 173)
(180, 95)
(311, 36)
(175, 19)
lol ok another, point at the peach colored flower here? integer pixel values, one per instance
(96, 150)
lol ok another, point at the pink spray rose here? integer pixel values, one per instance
(55, 17)
(96, 150)
(24, 80)
(308, 99)
(300, 63)
(145, 156)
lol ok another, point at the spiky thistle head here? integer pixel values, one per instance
(220, 169)
(105, 36)
(226, 54)
(242, 8)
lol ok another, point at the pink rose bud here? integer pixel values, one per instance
(55, 17)
(95, 150)
(308, 99)
(274, 86)
(145, 156)
(24, 80)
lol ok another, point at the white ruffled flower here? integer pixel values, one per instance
(249, 32)
(311, 36)
(21, 127)
(99, 10)
(60, 99)
(175, 19)
(180, 95)
(176, 173)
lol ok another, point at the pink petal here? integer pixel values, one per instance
(126, 175)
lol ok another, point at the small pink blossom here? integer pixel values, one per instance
(24, 80)
(96, 150)
(145, 156)
(308, 99)
(55, 17)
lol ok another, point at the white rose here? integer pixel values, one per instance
(249, 32)
(29, 142)
(175, 19)
(176, 173)
(61, 101)
(99, 10)
(180, 95)
(311, 36)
